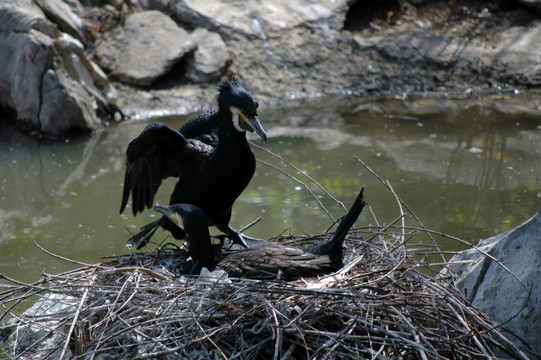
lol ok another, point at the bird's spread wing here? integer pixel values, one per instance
(157, 153)
(203, 127)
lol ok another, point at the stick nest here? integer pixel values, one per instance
(379, 305)
(382, 304)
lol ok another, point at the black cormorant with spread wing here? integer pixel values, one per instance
(266, 260)
(210, 155)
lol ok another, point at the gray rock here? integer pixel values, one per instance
(21, 80)
(65, 104)
(512, 55)
(517, 52)
(259, 18)
(161, 5)
(62, 15)
(532, 3)
(83, 70)
(493, 290)
(46, 73)
(145, 48)
(211, 58)
(24, 17)
(41, 323)
(283, 54)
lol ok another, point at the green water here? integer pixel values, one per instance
(468, 171)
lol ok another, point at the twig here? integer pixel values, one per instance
(303, 185)
(303, 173)
(208, 337)
(74, 321)
(250, 225)
(413, 332)
(402, 202)
(141, 269)
(475, 248)
(60, 257)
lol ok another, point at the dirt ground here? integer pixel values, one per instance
(383, 49)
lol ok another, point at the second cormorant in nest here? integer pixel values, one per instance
(264, 261)
(210, 155)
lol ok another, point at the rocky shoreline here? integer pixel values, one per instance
(73, 66)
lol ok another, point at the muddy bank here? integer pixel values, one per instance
(95, 59)
(432, 50)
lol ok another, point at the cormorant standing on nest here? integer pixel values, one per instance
(267, 260)
(210, 155)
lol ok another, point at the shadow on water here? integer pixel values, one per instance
(470, 171)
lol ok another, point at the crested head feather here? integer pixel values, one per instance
(236, 103)
(226, 85)
(227, 90)
(223, 86)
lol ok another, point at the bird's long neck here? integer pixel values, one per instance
(229, 136)
(200, 246)
(334, 246)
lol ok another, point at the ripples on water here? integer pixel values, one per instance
(470, 171)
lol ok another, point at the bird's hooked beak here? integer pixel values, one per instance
(247, 122)
(251, 124)
(170, 214)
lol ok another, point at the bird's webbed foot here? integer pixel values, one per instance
(238, 238)
(234, 240)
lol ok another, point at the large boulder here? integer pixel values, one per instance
(63, 16)
(258, 17)
(21, 337)
(45, 71)
(512, 56)
(145, 48)
(507, 290)
(211, 58)
(65, 101)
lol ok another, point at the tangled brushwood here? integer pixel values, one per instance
(383, 303)
(379, 305)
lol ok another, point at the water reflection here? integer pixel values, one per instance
(468, 171)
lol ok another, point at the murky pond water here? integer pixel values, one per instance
(468, 171)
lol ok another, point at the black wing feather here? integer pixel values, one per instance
(156, 154)
(203, 127)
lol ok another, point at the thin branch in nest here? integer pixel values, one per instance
(58, 256)
(303, 173)
(464, 242)
(401, 202)
(246, 227)
(303, 185)
(74, 321)
(207, 337)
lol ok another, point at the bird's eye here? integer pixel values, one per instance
(256, 104)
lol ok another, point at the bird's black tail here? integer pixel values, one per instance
(143, 237)
(334, 246)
